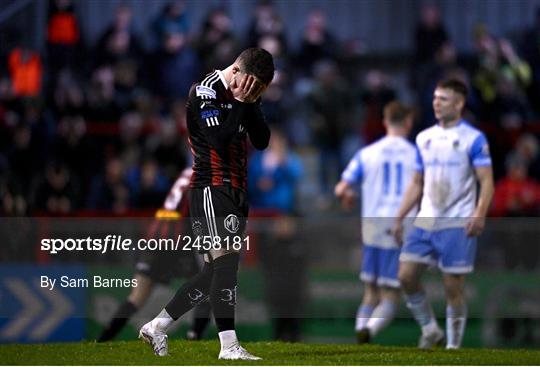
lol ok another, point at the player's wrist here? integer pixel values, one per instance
(242, 102)
(480, 212)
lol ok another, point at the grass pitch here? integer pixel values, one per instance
(273, 353)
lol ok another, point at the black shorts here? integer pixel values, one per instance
(218, 211)
(164, 265)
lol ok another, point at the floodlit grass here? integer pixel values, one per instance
(273, 353)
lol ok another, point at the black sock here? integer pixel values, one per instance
(223, 290)
(201, 318)
(193, 292)
(120, 318)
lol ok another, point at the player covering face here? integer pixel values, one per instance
(223, 111)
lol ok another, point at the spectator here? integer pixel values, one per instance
(26, 72)
(509, 108)
(430, 33)
(216, 46)
(527, 149)
(273, 179)
(169, 149)
(274, 175)
(68, 96)
(429, 36)
(73, 146)
(330, 119)
(109, 191)
(378, 92)
(63, 37)
(102, 105)
(119, 41)
(172, 19)
(147, 185)
(266, 23)
(12, 199)
(275, 104)
(129, 147)
(24, 159)
(497, 61)
(176, 68)
(445, 62)
(120, 49)
(56, 193)
(317, 42)
(516, 195)
(531, 53)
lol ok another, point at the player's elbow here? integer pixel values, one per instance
(260, 145)
(260, 136)
(260, 141)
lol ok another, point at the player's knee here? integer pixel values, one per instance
(407, 279)
(226, 264)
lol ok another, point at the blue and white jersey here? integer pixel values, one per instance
(385, 169)
(448, 157)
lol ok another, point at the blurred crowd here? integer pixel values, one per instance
(101, 126)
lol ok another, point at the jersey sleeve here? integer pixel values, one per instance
(355, 170)
(479, 152)
(258, 130)
(419, 162)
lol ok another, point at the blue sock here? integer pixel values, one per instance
(421, 310)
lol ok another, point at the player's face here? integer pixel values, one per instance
(256, 88)
(447, 104)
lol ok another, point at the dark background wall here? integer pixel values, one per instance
(382, 25)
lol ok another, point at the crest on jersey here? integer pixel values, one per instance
(455, 144)
(205, 92)
(427, 144)
(231, 223)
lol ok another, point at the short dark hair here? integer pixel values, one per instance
(396, 112)
(258, 62)
(454, 84)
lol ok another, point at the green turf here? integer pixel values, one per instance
(273, 353)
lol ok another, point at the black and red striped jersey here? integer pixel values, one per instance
(169, 219)
(176, 203)
(218, 127)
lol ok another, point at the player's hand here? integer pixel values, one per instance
(253, 89)
(397, 231)
(475, 226)
(246, 88)
(346, 195)
(236, 86)
(349, 199)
